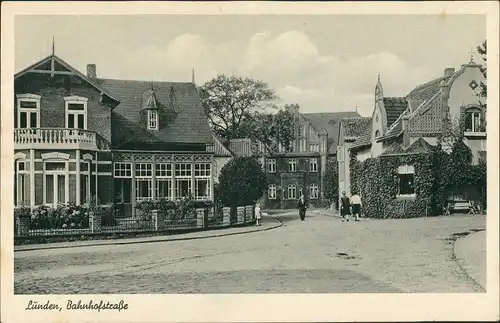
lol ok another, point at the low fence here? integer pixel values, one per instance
(109, 220)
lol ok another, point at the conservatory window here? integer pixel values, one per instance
(143, 181)
(183, 183)
(163, 173)
(202, 178)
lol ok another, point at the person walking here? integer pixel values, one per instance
(345, 205)
(356, 205)
(302, 207)
(258, 213)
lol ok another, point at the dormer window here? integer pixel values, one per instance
(28, 111)
(76, 112)
(152, 120)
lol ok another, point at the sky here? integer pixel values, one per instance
(325, 63)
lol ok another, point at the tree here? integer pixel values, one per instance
(240, 108)
(481, 49)
(241, 182)
(331, 190)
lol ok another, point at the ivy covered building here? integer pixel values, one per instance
(388, 158)
(124, 141)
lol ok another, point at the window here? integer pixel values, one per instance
(292, 165)
(314, 148)
(313, 165)
(123, 170)
(76, 112)
(313, 191)
(152, 120)
(406, 176)
(21, 183)
(271, 192)
(473, 121)
(55, 183)
(28, 111)
(143, 181)
(202, 181)
(302, 144)
(163, 172)
(183, 185)
(292, 192)
(85, 182)
(271, 165)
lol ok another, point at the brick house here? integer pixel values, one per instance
(409, 125)
(124, 141)
(302, 170)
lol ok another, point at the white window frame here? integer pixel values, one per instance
(313, 165)
(76, 100)
(203, 175)
(56, 174)
(475, 114)
(21, 190)
(292, 188)
(183, 174)
(86, 176)
(406, 170)
(163, 172)
(271, 192)
(152, 120)
(141, 175)
(28, 97)
(314, 191)
(271, 165)
(292, 165)
(122, 170)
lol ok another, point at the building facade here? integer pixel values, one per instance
(411, 125)
(78, 136)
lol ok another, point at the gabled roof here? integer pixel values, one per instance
(420, 146)
(355, 127)
(365, 139)
(330, 122)
(182, 117)
(67, 68)
(394, 107)
(427, 90)
(149, 100)
(219, 149)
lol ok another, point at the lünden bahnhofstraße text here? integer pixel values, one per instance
(79, 305)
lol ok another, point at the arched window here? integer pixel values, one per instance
(377, 134)
(473, 122)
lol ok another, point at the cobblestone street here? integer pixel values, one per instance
(319, 255)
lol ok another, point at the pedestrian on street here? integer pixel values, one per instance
(258, 213)
(345, 205)
(356, 205)
(302, 207)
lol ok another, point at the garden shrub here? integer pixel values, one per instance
(69, 216)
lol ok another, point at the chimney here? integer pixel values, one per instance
(449, 71)
(406, 135)
(91, 71)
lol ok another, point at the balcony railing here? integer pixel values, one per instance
(59, 138)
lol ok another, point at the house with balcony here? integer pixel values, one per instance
(412, 125)
(123, 141)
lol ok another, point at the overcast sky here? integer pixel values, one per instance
(324, 63)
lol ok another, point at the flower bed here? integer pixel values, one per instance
(69, 216)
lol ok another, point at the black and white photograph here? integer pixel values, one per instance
(233, 153)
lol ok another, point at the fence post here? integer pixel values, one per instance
(226, 216)
(240, 213)
(200, 217)
(95, 219)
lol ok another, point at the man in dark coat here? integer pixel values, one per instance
(302, 207)
(345, 205)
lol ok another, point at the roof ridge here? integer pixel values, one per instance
(145, 81)
(418, 87)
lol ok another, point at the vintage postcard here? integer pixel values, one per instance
(249, 161)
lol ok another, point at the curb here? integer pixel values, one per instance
(109, 243)
(461, 268)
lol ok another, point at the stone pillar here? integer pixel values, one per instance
(158, 218)
(240, 214)
(200, 217)
(226, 213)
(23, 224)
(249, 213)
(95, 221)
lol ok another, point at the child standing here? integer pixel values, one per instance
(258, 214)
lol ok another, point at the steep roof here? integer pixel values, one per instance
(355, 127)
(394, 107)
(427, 90)
(365, 139)
(182, 120)
(420, 146)
(330, 121)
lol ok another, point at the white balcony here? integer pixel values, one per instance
(58, 138)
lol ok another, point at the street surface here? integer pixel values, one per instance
(319, 255)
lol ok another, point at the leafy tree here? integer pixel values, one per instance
(481, 49)
(239, 108)
(331, 190)
(241, 182)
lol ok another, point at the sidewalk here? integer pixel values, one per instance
(470, 252)
(270, 223)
